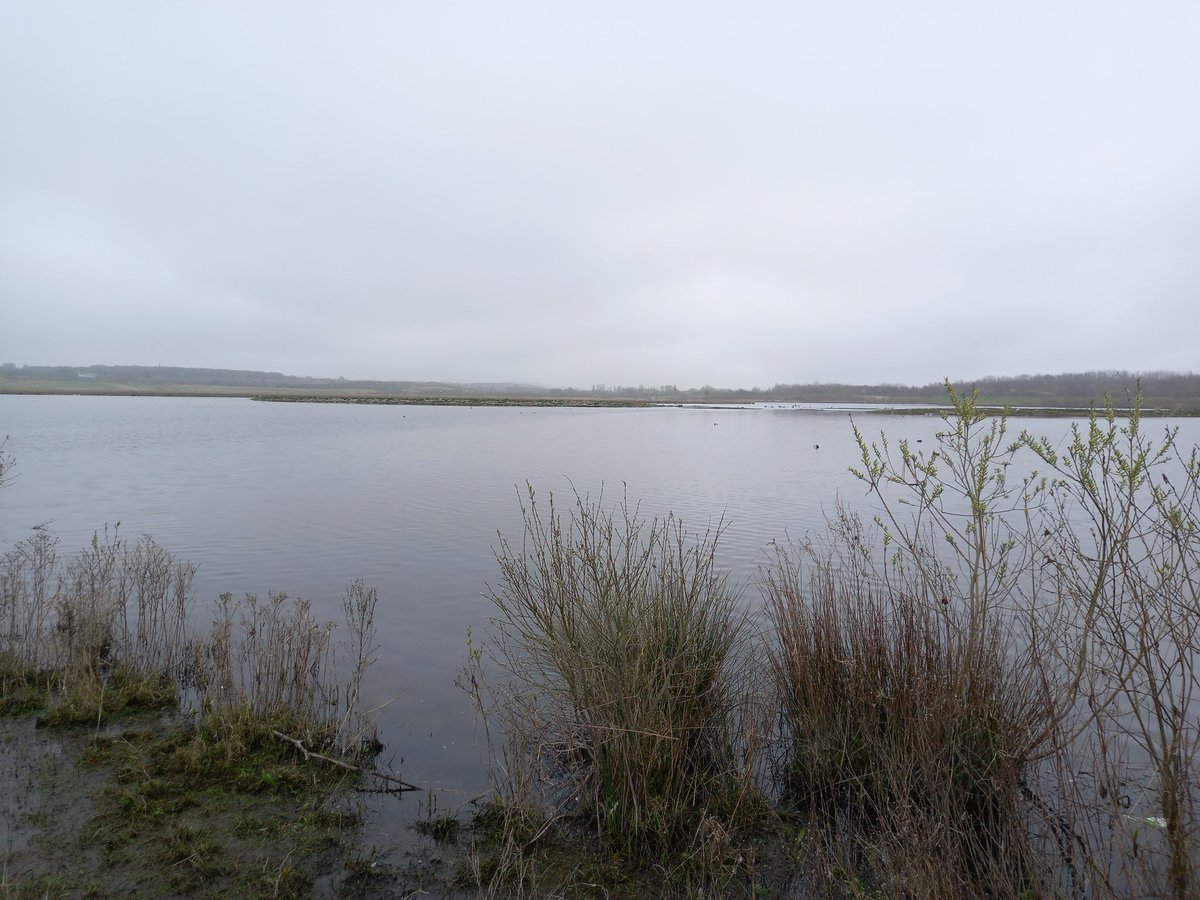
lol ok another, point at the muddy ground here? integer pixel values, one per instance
(137, 809)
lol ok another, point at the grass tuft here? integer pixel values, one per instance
(903, 731)
(622, 649)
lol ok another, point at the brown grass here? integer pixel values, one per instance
(622, 651)
(114, 628)
(907, 737)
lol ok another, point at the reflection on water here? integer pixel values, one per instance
(305, 498)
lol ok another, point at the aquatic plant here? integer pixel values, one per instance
(989, 687)
(622, 648)
(114, 627)
(980, 683)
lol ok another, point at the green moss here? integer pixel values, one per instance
(171, 808)
(20, 699)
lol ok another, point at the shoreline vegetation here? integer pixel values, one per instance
(988, 688)
(1044, 412)
(145, 753)
(1162, 393)
(878, 405)
(524, 402)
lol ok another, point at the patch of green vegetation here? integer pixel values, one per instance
(17, 699)
(43, 887)
(90, 699)
(23, 688)
(168, 807)
(443, 829)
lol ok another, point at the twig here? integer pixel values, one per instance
(309, 754)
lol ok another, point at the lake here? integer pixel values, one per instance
(304, 498)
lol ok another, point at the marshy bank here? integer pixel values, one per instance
(406, 400)
(143, 753)
(153, 806)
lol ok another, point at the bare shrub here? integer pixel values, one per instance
(87, 605)
(1122, 547)
(112, 627)
(272, 659)
(918, 698)
(993, 688)
(620, 645)
(28, 579)
(6, 462)
(907, 735)
(358, 609)
(100, 630)
(157, 595)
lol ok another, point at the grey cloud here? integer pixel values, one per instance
(674, 192)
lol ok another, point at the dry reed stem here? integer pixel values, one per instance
(620, 645)
(114, 610)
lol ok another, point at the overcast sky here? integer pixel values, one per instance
(733, 194)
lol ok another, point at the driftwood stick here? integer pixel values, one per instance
(309, 754)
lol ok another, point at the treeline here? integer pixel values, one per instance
(151, 378)
(1158, 387)
(1172, 390)
(1167, 390)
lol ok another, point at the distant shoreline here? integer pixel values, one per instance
(882, 405)
(590, 402)
(1046, 412)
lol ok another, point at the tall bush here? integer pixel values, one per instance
(915, 707)
(621, 646)
(1121, 549)
(992, 685)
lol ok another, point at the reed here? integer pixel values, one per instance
(987, 688)
(273, 661)
(907, 736)
(622, 649)
(115, 627)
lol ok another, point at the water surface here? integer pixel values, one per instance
(304, 498)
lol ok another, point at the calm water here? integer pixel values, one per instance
(304, 498)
